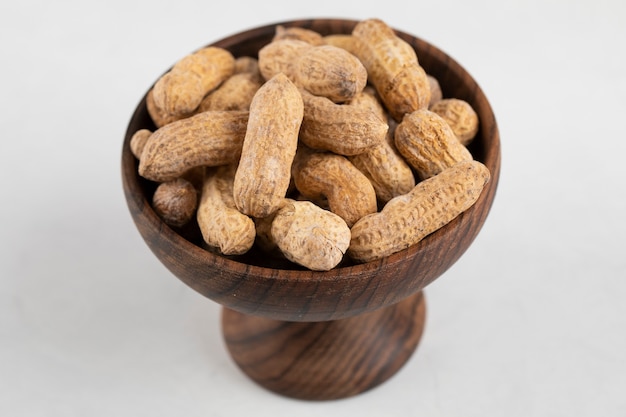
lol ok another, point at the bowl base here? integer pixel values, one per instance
(325, 360)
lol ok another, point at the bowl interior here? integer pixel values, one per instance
(255, 284)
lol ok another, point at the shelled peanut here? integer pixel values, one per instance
(350, 122)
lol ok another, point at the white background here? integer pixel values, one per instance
(530, 322)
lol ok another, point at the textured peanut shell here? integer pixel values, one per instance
(343, 41)
(407, 219)
(270, 143)
(247, 64)
(280, 56)
(180, 90)
(138, 141)
(349, 193)
(175, 202)
(368, 99)
(222, 226)
(386, 170)
(211, 138)
(235, 93)
(435, 90)
(158, 116)
(302, 34)
(461, 117)
(392, 66)
(382, 164)
(330, 72)
(428, 143)
(310, 236)
(339, 128)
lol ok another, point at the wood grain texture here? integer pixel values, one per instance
(252, 284)
(325, 360)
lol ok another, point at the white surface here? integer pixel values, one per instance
(530, 322)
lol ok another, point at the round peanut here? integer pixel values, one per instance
(138, 141)
(461, 117)
(175, 202)
(310, 236)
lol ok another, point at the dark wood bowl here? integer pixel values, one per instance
(254, 291)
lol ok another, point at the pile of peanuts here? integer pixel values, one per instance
(320, 148)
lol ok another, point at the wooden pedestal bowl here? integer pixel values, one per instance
(320, 335)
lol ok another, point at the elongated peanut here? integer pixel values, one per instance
(339, 128)
(428, 143)
(310, 236)
(222, 226)
(392, 66)
(407, 219)
(211, 138)
(461, 117)
(349, 193)
(270, 143)
(302, 34)
(235, 93)
(180, 90)
(331, 72)
(280, 56)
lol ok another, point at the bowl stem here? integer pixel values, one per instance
(325, 360)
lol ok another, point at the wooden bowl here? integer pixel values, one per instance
(283, 307)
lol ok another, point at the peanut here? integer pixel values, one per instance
(392, 67)
(386, 169)
(382, 164)
(247, 64)
(428, 143)
(222, 226)
(435, 90)
(343, 41)
(175, 202)
(461, 117)
(180, 90)
(159, 117)
(349, 193)
(280, 56)
(407, 219)
(301, 34)
(234, 94)
(310, 236)
(211, 138)
(269, 146)
(331, 72)
(339, 128)
(138, 141)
